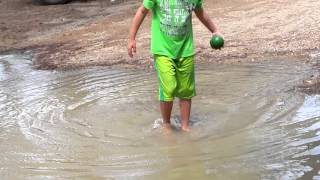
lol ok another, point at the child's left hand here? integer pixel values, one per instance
(217, 33)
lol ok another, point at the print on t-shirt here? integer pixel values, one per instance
(176, 17)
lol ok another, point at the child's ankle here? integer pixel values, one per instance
(167, 124)
(185, 128)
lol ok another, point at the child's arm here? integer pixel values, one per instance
(137, 20)
(205, 19)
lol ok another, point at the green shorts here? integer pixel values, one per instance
(176, 77)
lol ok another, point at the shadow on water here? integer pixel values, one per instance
(248, 122)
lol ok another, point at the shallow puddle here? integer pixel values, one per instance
(248, 122)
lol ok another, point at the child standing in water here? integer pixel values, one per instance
(172, 47)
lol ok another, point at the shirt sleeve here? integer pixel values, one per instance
(149, 4)
(199, 4)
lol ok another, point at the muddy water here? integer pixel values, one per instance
(247, 123)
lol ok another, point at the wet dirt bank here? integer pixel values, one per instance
(89, 33)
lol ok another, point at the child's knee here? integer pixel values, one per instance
(186, 92)
(167, 92)
(170, 90)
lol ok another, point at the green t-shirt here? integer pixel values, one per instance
(172, 26)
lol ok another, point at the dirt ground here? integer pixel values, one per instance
(86, 33)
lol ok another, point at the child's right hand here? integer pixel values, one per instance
(132, 48)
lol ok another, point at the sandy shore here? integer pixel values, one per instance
(95, 32)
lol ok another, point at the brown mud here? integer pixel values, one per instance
(91, 33)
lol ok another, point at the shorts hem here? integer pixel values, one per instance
(166, 100)
(187, 98)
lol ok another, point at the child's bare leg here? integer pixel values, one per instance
(185, 108)
(166, 108)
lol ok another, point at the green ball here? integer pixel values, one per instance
(216, 42)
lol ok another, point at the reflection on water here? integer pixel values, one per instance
(248, 122)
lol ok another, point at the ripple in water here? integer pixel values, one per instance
(248, 122)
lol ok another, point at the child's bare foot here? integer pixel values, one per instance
(167, 128)
(185, 129)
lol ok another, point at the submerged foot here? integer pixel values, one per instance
(167, 129)
(185, 128)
